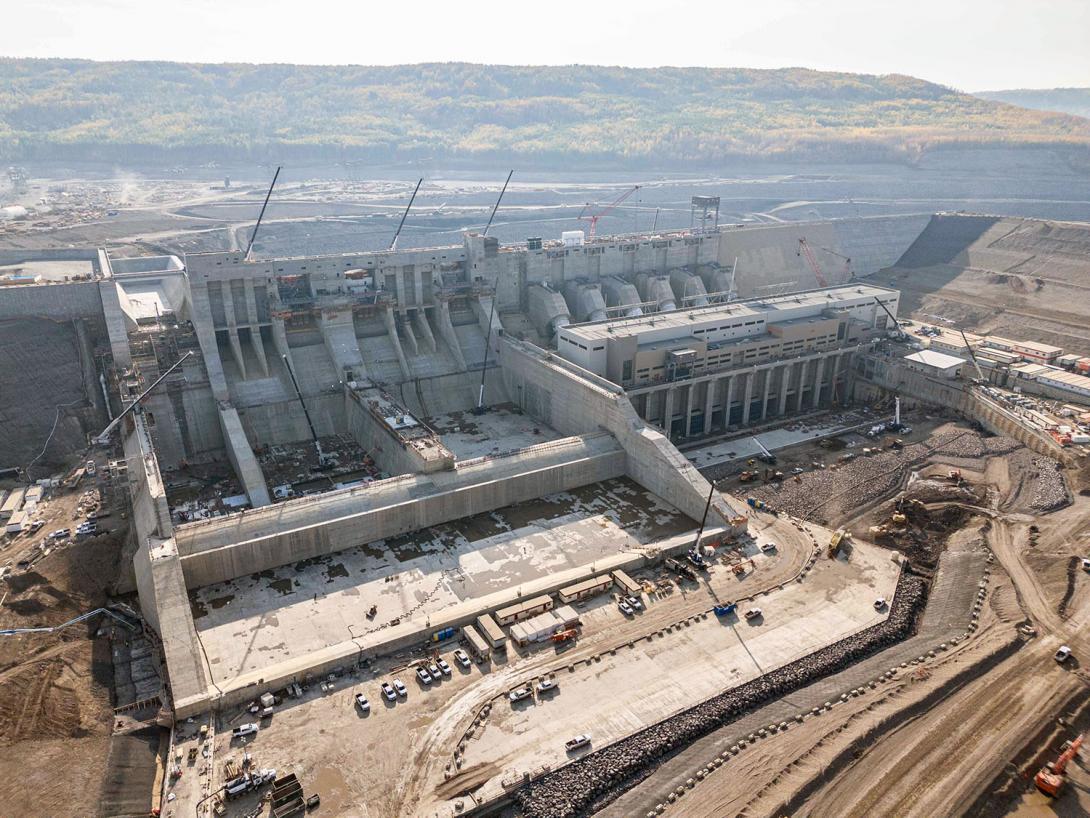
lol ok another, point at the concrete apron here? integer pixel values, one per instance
(248, 686)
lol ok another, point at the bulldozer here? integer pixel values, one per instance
(1051, 777)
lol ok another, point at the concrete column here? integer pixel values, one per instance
(709, 401)
(748, 398)
(835, 376)
(768, 386)
(802, 383)
(815, 399)
(406, 329)
(727, 402)
(418, 284)
(236, 350)
(686, 425)
(255, 330)
(242, 458)
(446, 332)
(786, 382)
(228, 304)
(668, 411)
(391, 331)
(423, 331)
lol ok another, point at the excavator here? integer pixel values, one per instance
(1050, 779)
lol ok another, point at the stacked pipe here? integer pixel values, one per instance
(573, 789)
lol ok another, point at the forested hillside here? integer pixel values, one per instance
(578, 115)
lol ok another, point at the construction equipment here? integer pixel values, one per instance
(261, 215)
(898, 519)
(563, 636)
(972, 356)
(324, 460)
(747, 476)
(895, 327)
(594, 217)
(954, 476)
(765, 456)
(837, 542)
(496, 206)
(1050, 778)
(393, 241)
(103, 437)
(804, 249)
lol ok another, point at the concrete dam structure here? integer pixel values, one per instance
(356, 404)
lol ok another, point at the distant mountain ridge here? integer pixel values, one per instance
(458, 112)
(1075, 101)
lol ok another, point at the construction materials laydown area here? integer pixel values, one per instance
(628, 525)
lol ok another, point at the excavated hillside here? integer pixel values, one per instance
(1022, 278)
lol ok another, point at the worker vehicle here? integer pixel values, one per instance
(433, 669)
(880, 604)
(1063, 654)
(60, 534)
(423, 675)
(625, 608)
(362, 703)
(768, 547)
(725, 610)
(519, 694)
(634, 602)
(564, 636)
(1050, 778)
(444, 668)
(238, 786)
(388, 692)
(798, 470)
(244, 730)
(753, 613)
(399, 686)
(747, 476)
(581, 740)
(36, 524)
(462, 658)
(545, 685)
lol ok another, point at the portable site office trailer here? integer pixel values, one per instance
(477, 645)
(16, 522)
(589, 587)
(626, 584)
(524, 610)
(13, 503)
(493, 634)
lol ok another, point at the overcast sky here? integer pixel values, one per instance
(969, 44)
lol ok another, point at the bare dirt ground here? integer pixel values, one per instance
(56, 716)
(876, 755)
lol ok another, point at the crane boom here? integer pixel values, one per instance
(593, 218)
(972, 356)
(393, 241)
(261, 215)
(804, 249)
(103, 437)
(497, 205)
(892, 317)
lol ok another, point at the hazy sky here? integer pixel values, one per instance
(969, 44)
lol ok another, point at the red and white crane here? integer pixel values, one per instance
(811, 261)
(594, 217)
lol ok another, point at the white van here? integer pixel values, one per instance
(244, 730)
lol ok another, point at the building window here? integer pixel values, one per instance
(626, 371)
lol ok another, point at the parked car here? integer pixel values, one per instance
(362, 703)
(444, 668)
(768, 547)
(519, 694)
(388, 692)
(798, 470)
(60, 534)
(399, 686)
(423, 675)
(582, 740)
(625, 608)
(433, 669)
(754, 613)
(547, 684)
(463, 658)
(880, 604)
(244, 730)
(1063, 654)
(634, 602)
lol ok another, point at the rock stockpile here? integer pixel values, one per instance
(570, 790)
(1043, 487)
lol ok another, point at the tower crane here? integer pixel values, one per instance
(1050, 778)
(594, 217)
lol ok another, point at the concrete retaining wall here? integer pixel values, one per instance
(217, 550)
(62, 302)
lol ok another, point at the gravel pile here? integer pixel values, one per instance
(938, 491)
(570, 790)
(1043, 486)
